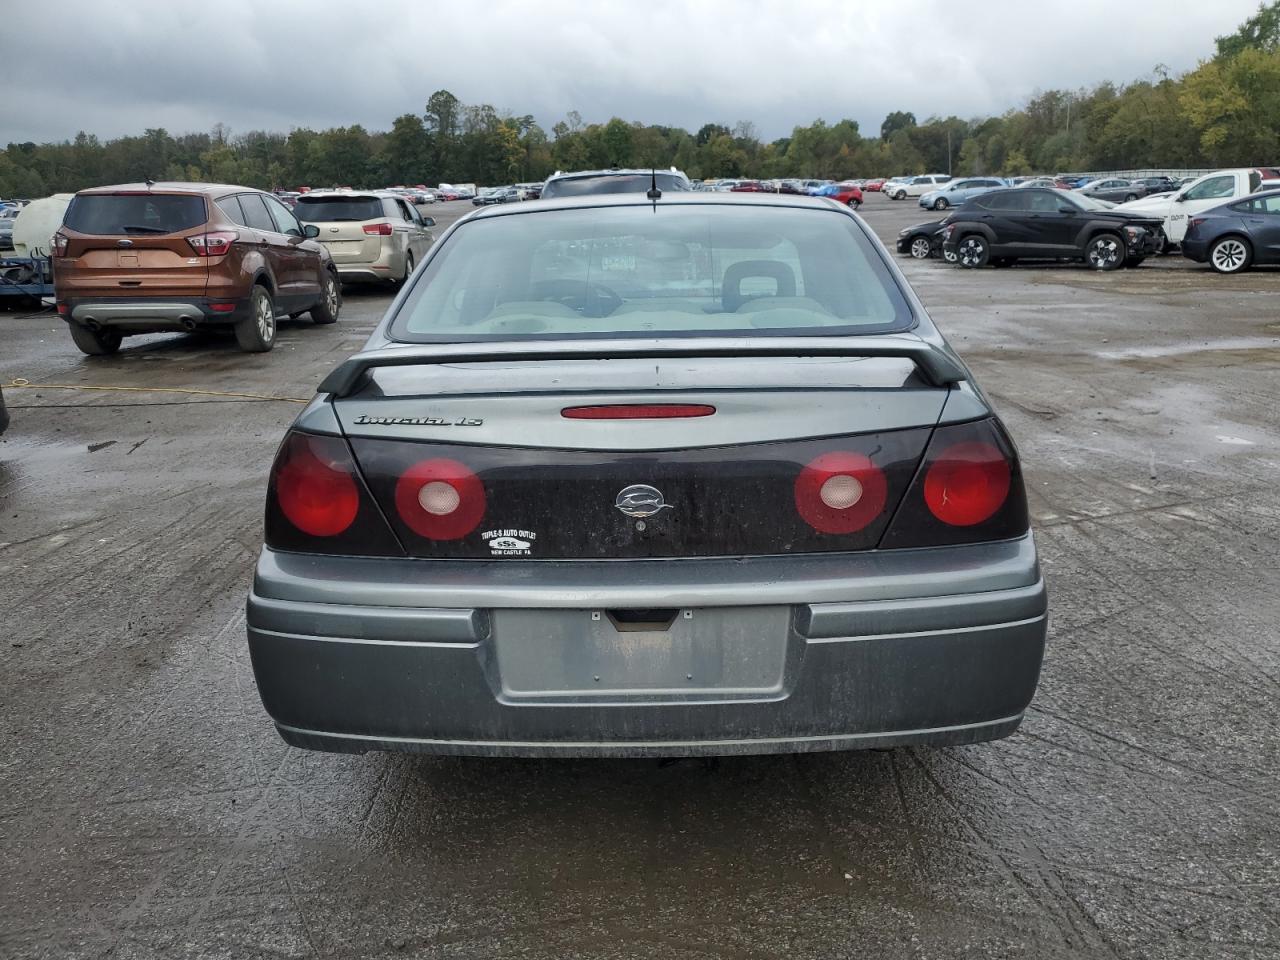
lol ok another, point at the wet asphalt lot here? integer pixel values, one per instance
(147, 808)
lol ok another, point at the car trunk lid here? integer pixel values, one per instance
(341, 221)
(677, 456)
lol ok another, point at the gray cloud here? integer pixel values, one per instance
(118, 68)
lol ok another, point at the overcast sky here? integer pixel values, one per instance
(116, 68)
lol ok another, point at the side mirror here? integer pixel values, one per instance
(310, 231)
(1180, 198)
(428, 221)
(1066, 209)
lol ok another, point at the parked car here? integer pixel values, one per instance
(1237, 235)
(1046, 182)
(1203, 193)
(4, 413)
(585, 182)
(1113, 189)
(1008, 225)
(749, 186)
(377, 235)
(923, 241)
(494, 195)
(469, 532)
(6, 232)
(917, 186)
(1155, 185)
(873, 186)
(846, 193)
(148, 257)
(955, 192)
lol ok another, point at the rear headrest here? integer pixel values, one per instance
(731, 288)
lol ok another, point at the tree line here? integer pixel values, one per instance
(1226, 112)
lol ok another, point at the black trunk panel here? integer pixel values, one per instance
(723, 501)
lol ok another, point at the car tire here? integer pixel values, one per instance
(1130, 197)
(326, 311)
(1231, 255)
(949, 256)
(973, 251)
(256, 333)
(900, 195)
(1105, 251)
(96, 343)
(854, 204)
(940, 203)
(921, 248)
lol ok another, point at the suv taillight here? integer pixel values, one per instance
(214, 244)
(60, 243)
(968, 490)
(317, 502)
(377, 229)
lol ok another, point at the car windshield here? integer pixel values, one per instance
(636, 270)
(610, 183)
(1083, 201)
(336, 209)
(106, 214)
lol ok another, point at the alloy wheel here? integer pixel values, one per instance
(266, 319)
(331, 296)
(1229, 255)
(971, 252)
(920, 248)
(1103, 253)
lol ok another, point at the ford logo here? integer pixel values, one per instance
(640, 500)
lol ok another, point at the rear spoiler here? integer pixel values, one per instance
(937, 366)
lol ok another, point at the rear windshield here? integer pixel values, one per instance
(337, 209)
(611, 183)
(112, 214)
(692, 270)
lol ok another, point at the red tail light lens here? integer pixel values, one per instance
(316, 485)
(967, 483)
(377, 229)
(440, 499)
(840, 492)
(637, 411)
(968, 489)
(214, 244)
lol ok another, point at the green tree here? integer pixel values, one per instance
(1259, 32)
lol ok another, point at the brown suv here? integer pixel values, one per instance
(151, 257)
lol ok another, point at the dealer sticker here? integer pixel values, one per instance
(510, 543)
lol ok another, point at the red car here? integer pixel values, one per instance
(750, 186)
(847, 194)
(874, 185)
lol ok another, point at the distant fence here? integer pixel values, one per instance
(1176, 174)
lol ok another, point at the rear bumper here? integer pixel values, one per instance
(1197, 250)
(829, 652)
(144, 314)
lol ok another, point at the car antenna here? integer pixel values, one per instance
(654, 193)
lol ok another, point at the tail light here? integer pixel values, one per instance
(638, 411)
(214, 244)
(440, 499)
(840, 492)
(317, 502)
(60, 243)
(1194, 222)
(377, 229)
(968, 490)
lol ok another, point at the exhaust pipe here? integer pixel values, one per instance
(188, 324)
(93, 325)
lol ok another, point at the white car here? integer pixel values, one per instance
(1211, 190)
(916, 186)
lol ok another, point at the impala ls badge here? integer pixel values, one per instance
(641, 500)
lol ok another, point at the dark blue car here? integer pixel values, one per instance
(1233, 237)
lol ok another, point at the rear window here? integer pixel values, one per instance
(108, 214)
(337, 209)
(611, 183)
(678, 270)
